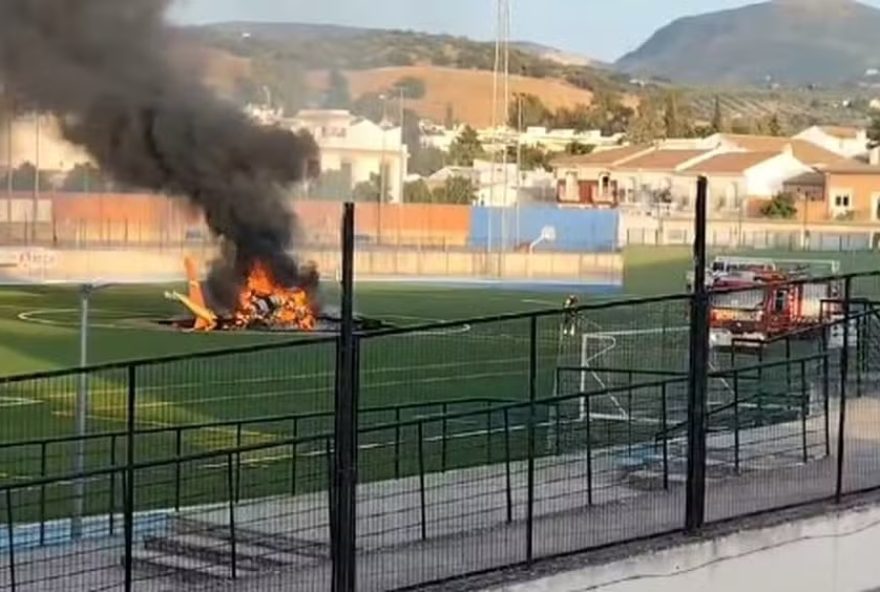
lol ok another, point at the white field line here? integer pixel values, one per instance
(18, 402)
(586, 360)
(298, 377)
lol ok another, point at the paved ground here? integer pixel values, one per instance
(466, 525)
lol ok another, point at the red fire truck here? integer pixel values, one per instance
(750, 307)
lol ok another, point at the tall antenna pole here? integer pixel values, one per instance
(501, 101)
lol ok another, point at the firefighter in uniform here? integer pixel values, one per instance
(569, 322)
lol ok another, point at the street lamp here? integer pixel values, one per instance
(81, 410)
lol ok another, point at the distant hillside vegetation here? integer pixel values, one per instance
(464, 94)
(280, 54)
(787, 41)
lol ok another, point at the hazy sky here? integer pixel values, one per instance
(603, 29)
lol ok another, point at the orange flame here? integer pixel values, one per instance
(262, 300)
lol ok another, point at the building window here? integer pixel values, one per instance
(841, 201)
(605, 185)
(781, 301)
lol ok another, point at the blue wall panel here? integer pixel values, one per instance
(576, 229)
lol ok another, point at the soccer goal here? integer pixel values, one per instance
(610, 366)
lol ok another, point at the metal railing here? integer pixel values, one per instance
(480, 444)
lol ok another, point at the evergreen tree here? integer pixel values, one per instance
(338, 93)
(466, 148)
(718, 117)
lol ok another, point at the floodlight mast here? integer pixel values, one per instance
(81, 410)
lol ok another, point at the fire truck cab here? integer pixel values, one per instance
(749, 308)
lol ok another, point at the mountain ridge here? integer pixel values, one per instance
(789, 41)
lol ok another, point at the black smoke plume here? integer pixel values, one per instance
(103, 67)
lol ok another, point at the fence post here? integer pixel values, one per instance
(533, 393)
(804, 409)
(128, 498)
(112, 516)
(294, 450)
(231, 490)
(588, 401)
(422, 501)
(10, 541)
(488, 432)
(397, 442)
(238, 462)
(826, 390)
(178, 451)
(345, 465)
(509, 490)
(664, 410)
(787, 365)
(43, 463)
(331, 498)
(736, 436)
(859, 354)
(444, 411)
(695, 508)
(629, 408)
(844, 376)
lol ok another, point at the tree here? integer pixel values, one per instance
(456, 190)
(338, 94)
(412, 87)
(647, 126)
(417, 192)
(466, 148)
(85, 178)
(874, 132)
(671, 116)
(579, 118)
(773, 127)
(534, 112)
(24, 176)
(576, 148)
(370, 105)
(532, 157)
(333, 185)
(781, 206)
(370, 191)
(677, 117)
(449, 118)
(426, 161)
(718, 117)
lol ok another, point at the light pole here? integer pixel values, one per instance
(81, 410)
(400, 164)
(383, 177)
(9, 110)
(36, 198)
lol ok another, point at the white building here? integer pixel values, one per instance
(556, 140)
(437, 136)
(845, 141)
(499, 184)
(358, 147)
(735, 177)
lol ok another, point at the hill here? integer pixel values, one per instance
(468, 93)
(555, 55)
(787, 41)
(291, 61)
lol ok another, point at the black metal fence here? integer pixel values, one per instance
(480, 444)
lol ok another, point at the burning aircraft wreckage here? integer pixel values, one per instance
(108, 71)
(263, 304)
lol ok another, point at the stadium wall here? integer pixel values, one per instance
(833, 551)
(584, 230)
(641, 229)
(37, 265)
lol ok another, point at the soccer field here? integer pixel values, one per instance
(256, 398)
